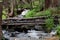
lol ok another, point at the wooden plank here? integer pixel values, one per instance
(28, 18)
(24, 24)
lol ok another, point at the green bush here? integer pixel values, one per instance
(58, 30)
(35, 12)
(59, 21)
(4, 15)
(31, 13)
(44, 13)
(49, 24)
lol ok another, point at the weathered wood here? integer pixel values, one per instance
(0, 20)
(26, 21)
(28, 18)
(25, 24)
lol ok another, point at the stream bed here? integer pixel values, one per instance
(30, 34)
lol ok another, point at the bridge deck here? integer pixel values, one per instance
(26, 21)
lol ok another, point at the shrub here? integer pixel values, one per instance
(35, 12)
(49, 24)
(4, 15)
(58, 30)
(44, 13)
(31, 13)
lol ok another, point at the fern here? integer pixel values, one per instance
(58, 30)
(44, 13)
(49, 24)
(31, 13)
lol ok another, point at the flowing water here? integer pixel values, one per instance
(30, 33)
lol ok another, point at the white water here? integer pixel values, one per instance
(31, 33)
(23, 13)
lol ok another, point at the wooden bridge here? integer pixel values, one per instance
(26, 21)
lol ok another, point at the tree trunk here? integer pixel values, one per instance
(10, 14)
(0, 20)
(54, 3)
(47, 3)
(6, 3)
(51, 3)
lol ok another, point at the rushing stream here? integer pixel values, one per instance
(30, 33)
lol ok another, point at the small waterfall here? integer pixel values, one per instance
(23, 13)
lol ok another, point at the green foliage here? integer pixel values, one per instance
(4, 16)
(35, 13)
(59, 21)
(58, 8)
(36, 2)
(31, 13)
(49, 24)
(49, 12)
(44, 13)
(58, 30)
